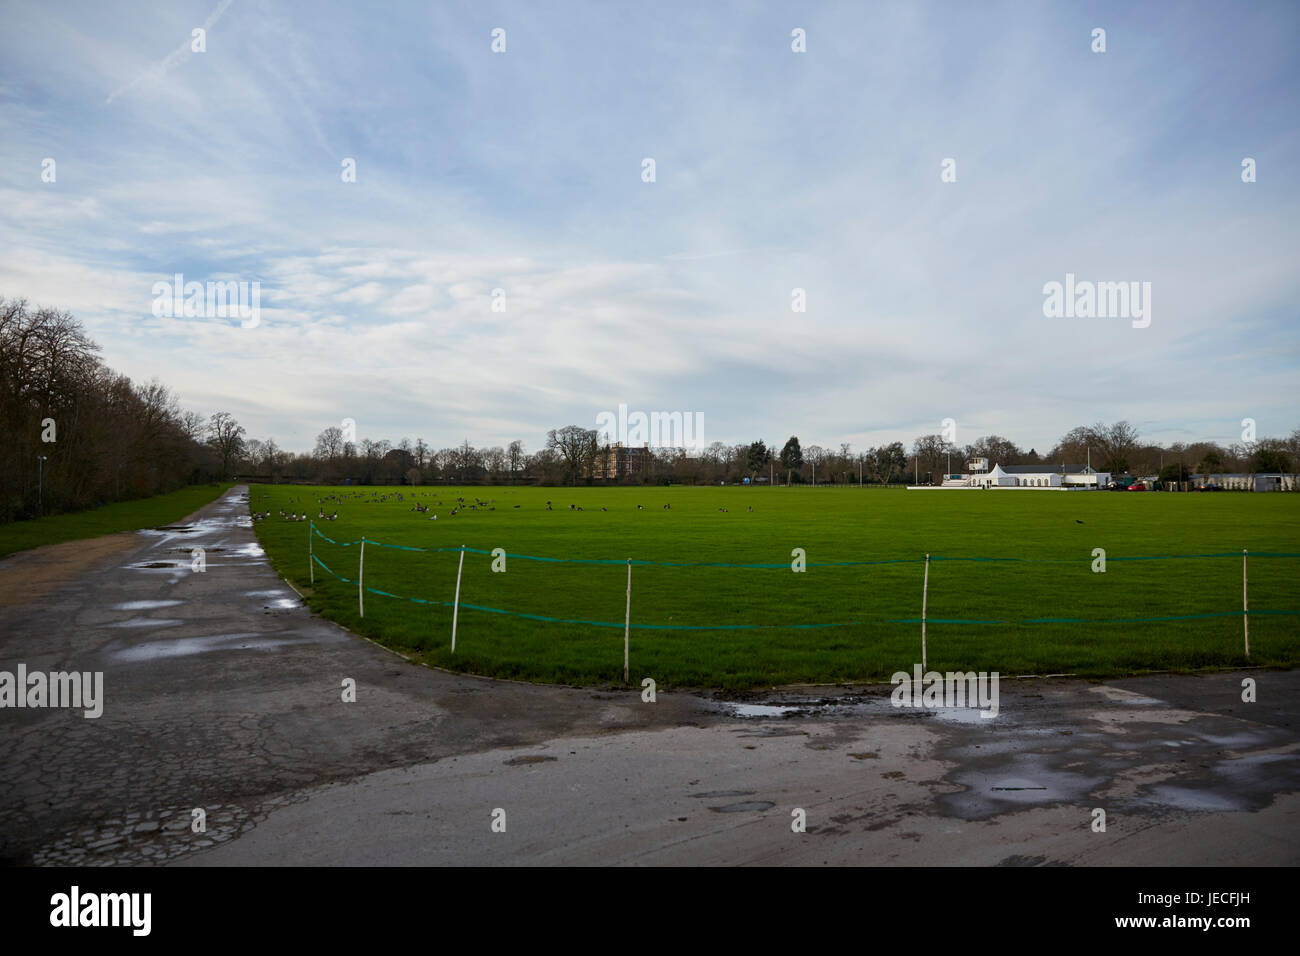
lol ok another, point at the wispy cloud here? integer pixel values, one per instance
(521, 172)
(173, 59)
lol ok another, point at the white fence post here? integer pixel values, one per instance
(311, 559)
(361, 574)
(455, 608)
(627, 618)
(1245, 603)
(925, 592)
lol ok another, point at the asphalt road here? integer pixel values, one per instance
(222, 693)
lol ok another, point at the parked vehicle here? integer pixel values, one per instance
(1137, 486)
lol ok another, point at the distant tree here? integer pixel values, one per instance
(1270, 456)
(576, 447)
(515, 455)
(816, 456)
(272, 458)
(791, 457)
(329, 444)
(226, 437)
(998, 450)
(193, 426)
(931, 453)
(468, 461)
(1117, 443)
(884, 462)
(757, 456)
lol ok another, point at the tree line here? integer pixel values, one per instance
(80, 435)
(574, 454)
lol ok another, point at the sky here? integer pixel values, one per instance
(774, 170)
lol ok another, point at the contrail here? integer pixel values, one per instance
(173, 59)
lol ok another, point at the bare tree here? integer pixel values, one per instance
(575, 445)
(931, 453)
(329, 444)
(226, 436)
(515, 453)
(192, 425)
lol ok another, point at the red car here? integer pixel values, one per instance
(1137, 486)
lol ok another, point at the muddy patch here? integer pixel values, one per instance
(28, 576)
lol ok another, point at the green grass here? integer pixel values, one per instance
(122, 516)
(1057, 530)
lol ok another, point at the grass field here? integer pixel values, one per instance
(877, 605)
(123, 516)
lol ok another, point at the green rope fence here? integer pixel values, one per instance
(786, 565)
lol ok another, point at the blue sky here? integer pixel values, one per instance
(774, 170)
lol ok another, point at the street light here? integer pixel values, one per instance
(40, 481)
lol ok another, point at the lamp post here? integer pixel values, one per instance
(40, 483)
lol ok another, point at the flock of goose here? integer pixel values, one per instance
(418, 507)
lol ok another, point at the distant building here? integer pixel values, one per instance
(1039, 476)
(1240, 481)
(627, 461)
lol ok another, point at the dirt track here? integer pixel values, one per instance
(223, 693)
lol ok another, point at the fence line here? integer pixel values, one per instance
(806, 626)
(923, 620)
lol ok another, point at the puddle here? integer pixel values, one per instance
(716, 794)
(761, 710)
(147, 622)
(839, 708)
(185, 646)
(1256, 761)
(253, 550)
(277, 592)
(959, 715)
(1185, 798)
(1016, 786)
(1234, 741)
(1121, 696)
(1024, 782)
(143, 605)
(746, 807)
(285, 604)
(812, 707)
